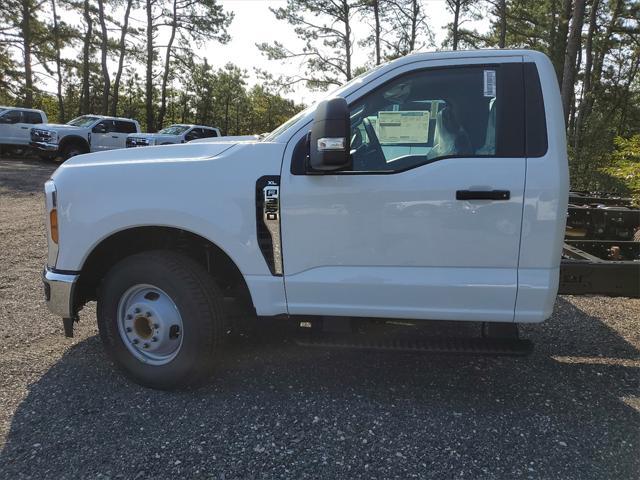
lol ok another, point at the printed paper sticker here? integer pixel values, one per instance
(489, 83)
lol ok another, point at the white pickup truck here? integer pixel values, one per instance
(15, 125)
(172, 134)
(88, 133)
(433, 187)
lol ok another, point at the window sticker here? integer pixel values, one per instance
(489, 83)
(403, 127)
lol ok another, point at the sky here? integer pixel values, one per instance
(254, 23)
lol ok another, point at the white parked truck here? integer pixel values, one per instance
(15, 125)
(88, 133)
(171, 135)
(433, 187)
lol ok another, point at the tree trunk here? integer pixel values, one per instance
(226, 116)
(104, 46)
(25, 27)
(56, 45)
(456, 20)
(376, 16)
(85, 106)
(559, 48)
(122, 50)
(415, 12)
(586, 84)
(502, 15)
(569, 70)
(606, 42)
(347, 37)
(149, 73)
(167, 65)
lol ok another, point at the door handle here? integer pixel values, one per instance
(25, 128)
(483, 194)
(114, 136)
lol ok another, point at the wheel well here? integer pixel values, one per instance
(135, 240)
(74, 139)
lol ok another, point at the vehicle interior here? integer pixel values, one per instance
(423, 117)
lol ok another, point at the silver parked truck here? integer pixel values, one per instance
(85, 134)
(15, 127)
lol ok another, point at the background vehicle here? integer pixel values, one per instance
(172, 134)
(417, 191)
(15, 125)
(88, 133)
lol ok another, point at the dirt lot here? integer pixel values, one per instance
(571, 410)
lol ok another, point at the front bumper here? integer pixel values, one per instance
(47, 147)
(58, 292)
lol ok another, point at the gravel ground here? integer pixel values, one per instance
(571, 410)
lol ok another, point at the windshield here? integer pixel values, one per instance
(84, 121)
(174, 130)
(2, 110)
(334, 93)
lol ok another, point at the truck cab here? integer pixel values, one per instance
(85, 134)
(172, 134)
(15, 125)
(433, 187)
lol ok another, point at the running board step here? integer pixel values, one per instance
(479, 346)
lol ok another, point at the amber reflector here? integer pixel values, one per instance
(53, 222)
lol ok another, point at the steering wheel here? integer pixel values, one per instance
(370, 156)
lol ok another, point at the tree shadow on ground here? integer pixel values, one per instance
(24, 175)
(276, 410)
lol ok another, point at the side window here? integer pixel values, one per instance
(32, 117)
(11, 117)
(194, 134)
(431, 114)
(105, 126)
(209, 132)
(125, 127)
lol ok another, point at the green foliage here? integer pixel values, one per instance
(625, 165)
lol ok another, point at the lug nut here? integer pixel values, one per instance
(128, 329)
(148, 314)
(135, 341)
(156, 326)
(129, 317)
(137, 310)
(154, 339)
(146, 345)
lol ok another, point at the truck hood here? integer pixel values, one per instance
(56, 126)
(208, 189)
(151, 155)
(234, 138)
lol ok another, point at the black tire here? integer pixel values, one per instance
(70, 150)
(198, 300)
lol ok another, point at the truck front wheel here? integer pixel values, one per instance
(161, 320)
(70, 150)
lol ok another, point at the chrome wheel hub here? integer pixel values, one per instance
(150, 324)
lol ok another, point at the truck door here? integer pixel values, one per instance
(10, 123)
(119, 136)
(426, 223)
(101, 136)
(29, 119)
